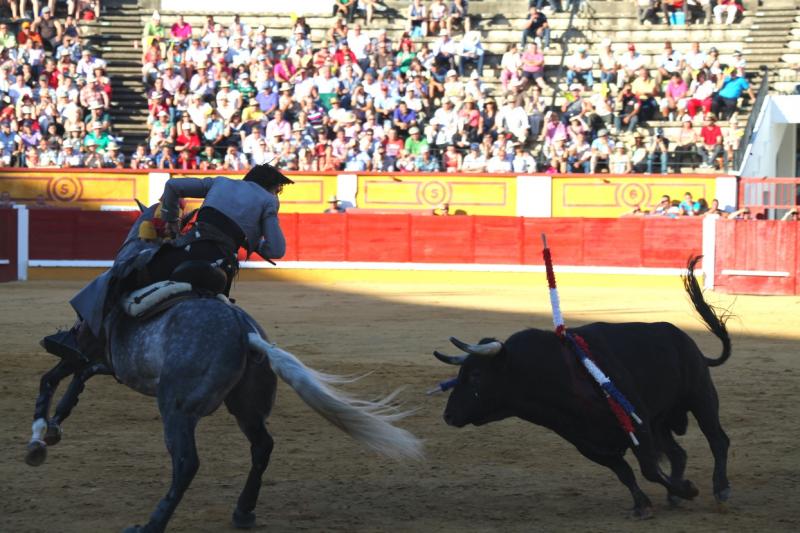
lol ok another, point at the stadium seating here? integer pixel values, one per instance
(762, 35)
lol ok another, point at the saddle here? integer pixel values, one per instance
(192, 279)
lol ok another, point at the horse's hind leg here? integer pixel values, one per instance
(37, 447)
(250, 402)
(180, 439)
(260, 449)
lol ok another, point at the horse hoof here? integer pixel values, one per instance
(37, 453)
(690, 489)
(673, 501)
(643, 513)
(53, 434)
(244, 520)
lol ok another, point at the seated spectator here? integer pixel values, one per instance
(688, 207)
(726, 100)
(664, 206)
(671, 8)
(474, 161)
(522, 161)
(113, 158)
(533, 66)
(437, 17)
(93, 159)
(417, 18)
(48, 28)
(699, 96)
(471, 53)
(580, 66)
(658, 150)
(700, 9)
(425, 162)
(513, 120)
(711, 146)
(628, 107)
(154, 30)
(646, 11)
(458, 15)
(731, 137)
(500, 162)
(729, 8)
(673, 103)
(608, 63)
(686, 149)
(715, 211)
(536, 27)
(556, 154)
(451, 159)
(646, 89)
(345, 9)
(602, 148)
(620, 160)
(26, 34)
(579, 153)
(629, 65)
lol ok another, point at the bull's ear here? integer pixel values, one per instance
(141, 206)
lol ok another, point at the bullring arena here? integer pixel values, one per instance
(511, 476)
(431, 144)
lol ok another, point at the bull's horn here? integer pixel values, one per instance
(450, 359)
(491, 348)
(140, 205)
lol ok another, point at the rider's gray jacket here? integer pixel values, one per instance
(250, 206)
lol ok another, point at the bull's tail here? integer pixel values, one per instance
(368, 422)
(713, 318)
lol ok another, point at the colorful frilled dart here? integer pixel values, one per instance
(623, 410)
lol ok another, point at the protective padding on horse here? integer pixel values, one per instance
(137, 303)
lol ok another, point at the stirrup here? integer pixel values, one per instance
(64, 345)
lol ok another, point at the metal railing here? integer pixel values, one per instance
(773, 196)
(750, 128)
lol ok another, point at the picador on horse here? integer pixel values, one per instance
(234, 214)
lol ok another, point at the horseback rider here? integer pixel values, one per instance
(234, 214)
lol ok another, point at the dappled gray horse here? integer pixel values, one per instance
(192, 358)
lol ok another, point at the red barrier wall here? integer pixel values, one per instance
(628, 242)
(8, 244)
(760, 247)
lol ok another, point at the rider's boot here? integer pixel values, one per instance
(64, 344)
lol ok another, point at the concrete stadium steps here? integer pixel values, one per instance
(116, 35)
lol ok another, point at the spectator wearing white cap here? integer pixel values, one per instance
(70, 155)
(580, 66)
(113, 158)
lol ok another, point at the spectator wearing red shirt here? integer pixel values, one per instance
(342, 51)
(711, 147)
(188, 141)
(186, 160)
(27, 34)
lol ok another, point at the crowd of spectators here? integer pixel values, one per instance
(673, 208)
(54, 93)
(229, 97)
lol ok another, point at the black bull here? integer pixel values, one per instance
(660, 369)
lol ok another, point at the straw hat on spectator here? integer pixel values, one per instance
(452, 73)
(285, 86)
(349, 117)
(112, 146)
(297, 127)
(96, 105)
(225, 83)
(413, 130)
(90, 142)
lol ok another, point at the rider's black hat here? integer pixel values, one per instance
(267, 176)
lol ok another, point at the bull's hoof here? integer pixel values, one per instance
(244, 520)
(37, 453)
(673, 501)
(643, 513)
(53, 434)
(723, 495)
(685, 490)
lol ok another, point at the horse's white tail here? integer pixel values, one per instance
(367, 422)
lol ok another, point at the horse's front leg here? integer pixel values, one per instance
(37, 447)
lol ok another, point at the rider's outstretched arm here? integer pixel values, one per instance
(274, 244)
(177, 188)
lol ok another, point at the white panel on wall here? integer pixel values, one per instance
(155, 186)
(346, 189)
(534, 196)
(727, 193)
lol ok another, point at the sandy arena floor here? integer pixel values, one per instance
(111, 467)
